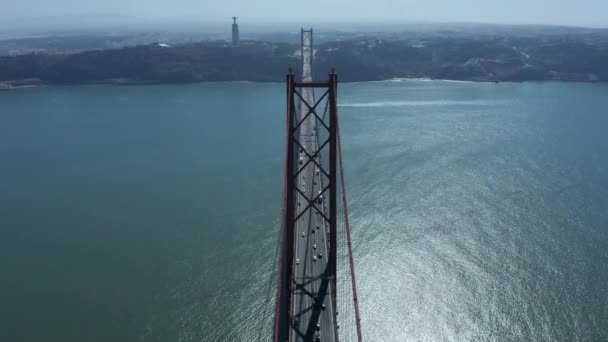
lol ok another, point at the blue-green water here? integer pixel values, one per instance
(479, 211)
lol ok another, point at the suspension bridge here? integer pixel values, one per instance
(315, 241)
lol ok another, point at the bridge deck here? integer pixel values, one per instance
(311, 298)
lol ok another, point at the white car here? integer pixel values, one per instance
(314, 246)
(297, 261)
(314, 258)
(317, 172)
(303, 234)
(301, 160)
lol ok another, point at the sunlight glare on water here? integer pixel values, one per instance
(479, 211)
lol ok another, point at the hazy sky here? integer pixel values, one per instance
(566, 12)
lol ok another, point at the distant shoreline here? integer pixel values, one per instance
(22, 87)
(389, 80)
(20, 84)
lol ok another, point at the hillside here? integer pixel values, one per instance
(361, 59)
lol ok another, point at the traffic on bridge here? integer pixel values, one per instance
(306, 297)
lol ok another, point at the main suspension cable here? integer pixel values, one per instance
(348, 238)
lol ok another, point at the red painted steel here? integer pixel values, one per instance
(311, 84)
(289, 216)
(333, 201)
(348, 239)
(286, 182)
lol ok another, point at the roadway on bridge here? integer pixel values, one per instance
(312, 307)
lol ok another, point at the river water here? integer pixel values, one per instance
(479, 211)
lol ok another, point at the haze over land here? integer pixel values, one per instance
(187, 41)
